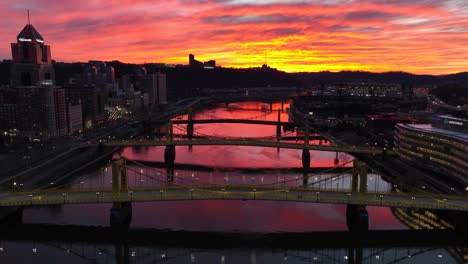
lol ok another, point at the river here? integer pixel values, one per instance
(221, 165)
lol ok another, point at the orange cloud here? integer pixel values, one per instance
(374, 35)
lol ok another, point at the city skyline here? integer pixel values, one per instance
(423, 37)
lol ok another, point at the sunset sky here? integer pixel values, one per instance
(418, 36)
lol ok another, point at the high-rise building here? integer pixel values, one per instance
(40, 105)
(8, 99)
(74, 116)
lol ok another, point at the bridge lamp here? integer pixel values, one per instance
(345, 257)
(413, 198)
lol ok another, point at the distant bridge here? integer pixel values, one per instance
(248, 142)
(232, 121)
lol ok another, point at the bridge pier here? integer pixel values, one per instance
(357, 218)
(271, 106)
(282, 105)
(190, 128)
(121, 215)
(169, 155)
(359, 177)
(306, 159)
(121, 212)
(278, 127)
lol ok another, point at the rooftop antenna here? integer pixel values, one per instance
(29, 23)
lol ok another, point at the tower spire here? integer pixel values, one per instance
(29, 23)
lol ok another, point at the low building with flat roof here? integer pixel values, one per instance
(435, 147)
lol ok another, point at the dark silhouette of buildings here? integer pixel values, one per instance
(211, 64)
(91, 88)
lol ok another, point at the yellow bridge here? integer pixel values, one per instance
(235, 192)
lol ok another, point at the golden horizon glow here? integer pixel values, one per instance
(422, 37)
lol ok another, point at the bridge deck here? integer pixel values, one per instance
(236, 192)
(233, 121)
(247, 142)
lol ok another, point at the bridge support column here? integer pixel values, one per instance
(271, 106)
(357, 218)
(170, 154)
(359, 177)
(190, 128)
(121, 215)
(282, 105)
(278, 127)
(121, 212)
(355, 176)
(362, 178)
(119, 177)
(306, 159)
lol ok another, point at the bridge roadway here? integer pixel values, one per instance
(236, 192)
(233, 121)
(247, 142)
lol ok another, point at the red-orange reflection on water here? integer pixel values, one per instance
(247, 216)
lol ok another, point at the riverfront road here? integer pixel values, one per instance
(235, 192)
(247, 142)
